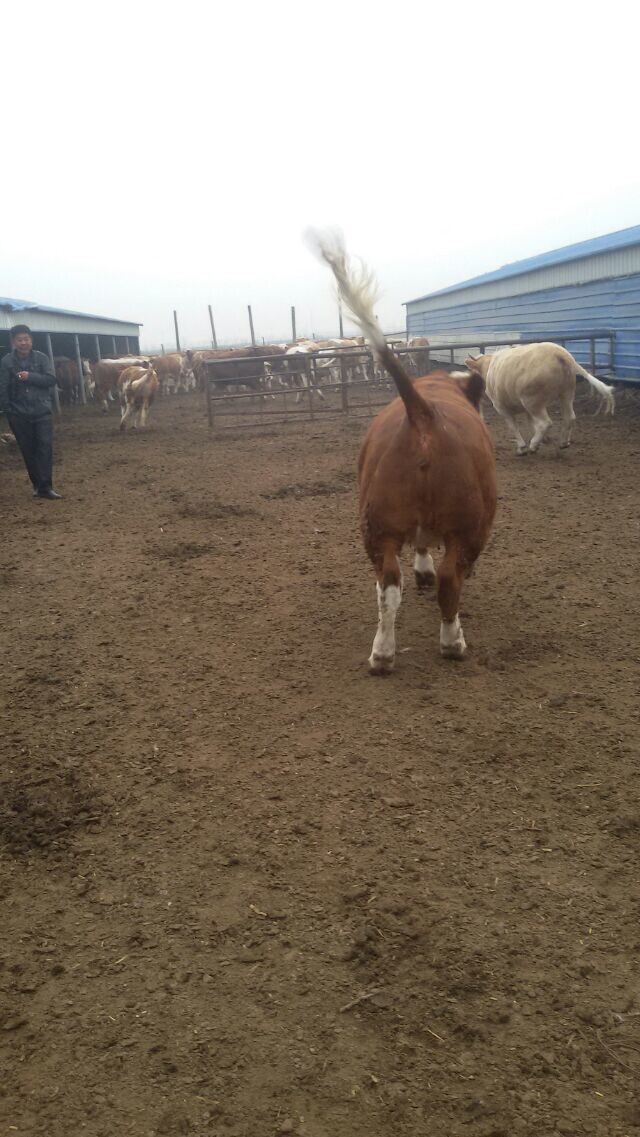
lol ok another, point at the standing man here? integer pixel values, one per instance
(26, 387)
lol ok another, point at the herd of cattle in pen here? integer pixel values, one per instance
(426, 471)
(133, 381)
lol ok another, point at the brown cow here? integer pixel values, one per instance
(137, 386)
(67, 377)
(426, 475)
(242, 371)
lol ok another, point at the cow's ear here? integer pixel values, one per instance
(472, 387)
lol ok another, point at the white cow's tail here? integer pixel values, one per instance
(358, 289)
(607, 393)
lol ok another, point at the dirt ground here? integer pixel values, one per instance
(247, 889)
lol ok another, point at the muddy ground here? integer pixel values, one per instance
(248, 890)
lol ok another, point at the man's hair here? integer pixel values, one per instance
(19, 329)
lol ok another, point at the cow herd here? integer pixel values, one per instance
(255, 370)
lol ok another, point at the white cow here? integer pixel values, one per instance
(531, 377)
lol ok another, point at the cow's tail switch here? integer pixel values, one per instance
(358, 289)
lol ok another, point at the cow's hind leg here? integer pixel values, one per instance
(423, 566)
(568, 417)
(541, 424)
(521, 446)
(389, 593)
(450, 578)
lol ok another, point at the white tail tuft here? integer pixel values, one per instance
(357, 286)
(607, 395)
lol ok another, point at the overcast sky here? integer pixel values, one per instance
(161, 156)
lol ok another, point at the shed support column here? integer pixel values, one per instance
(97, 347)
(126, 344)
(83, 393)
(113, 345)
(56, 397)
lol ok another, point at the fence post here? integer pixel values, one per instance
(592, 345)
(209, 403)
(344, 393)
(175, 320)
(307, 363)
(96, 340)
(253, 334)
(293, 324)
(340, 320)
(83, 393)
(56, 397)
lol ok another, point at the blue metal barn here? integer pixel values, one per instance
(593, 286)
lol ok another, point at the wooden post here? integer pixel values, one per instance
(83, 393)
(56, 397)
(253, 334)
(340, 320)
(214, 342)
(96, 344)
(162, 348)
(175, 320)
(293, 324)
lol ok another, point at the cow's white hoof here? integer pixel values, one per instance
(521, 451)
(381, 664)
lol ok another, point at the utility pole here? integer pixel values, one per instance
(214, 342)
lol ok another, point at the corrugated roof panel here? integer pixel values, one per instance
(610, 242)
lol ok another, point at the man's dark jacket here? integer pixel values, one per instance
(32, 397)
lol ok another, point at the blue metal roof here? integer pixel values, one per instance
(605, 244)
(15, 305)
(26, 305)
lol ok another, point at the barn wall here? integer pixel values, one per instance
(599, 304)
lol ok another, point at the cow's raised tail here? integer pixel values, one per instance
(358, 290)
(607, 393)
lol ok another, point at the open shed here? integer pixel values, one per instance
(75, 335)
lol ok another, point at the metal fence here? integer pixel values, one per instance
(348, 381)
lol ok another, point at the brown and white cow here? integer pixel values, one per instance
(174, 372)
(237, 368)
(426, 475)
(137, 386)
(529, 378)
(105, 374)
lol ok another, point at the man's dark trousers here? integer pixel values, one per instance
(35, 439)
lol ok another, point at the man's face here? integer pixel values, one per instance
(23, 343)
